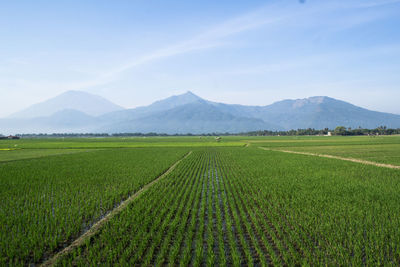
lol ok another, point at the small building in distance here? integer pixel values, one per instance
(10, 137)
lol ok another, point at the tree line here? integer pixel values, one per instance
(340, 130)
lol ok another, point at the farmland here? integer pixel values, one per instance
(225, 203)
(383, 149)
(11, 154)
(48, 201)
(122, 142)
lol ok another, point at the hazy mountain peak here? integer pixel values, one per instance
(189, 95)
(298, 103)
(175, 101)
(317, 99)
(88, 103)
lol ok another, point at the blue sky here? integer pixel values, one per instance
(246, 52)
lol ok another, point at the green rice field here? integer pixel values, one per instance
(224, 203)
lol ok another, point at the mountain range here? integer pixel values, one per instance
(81, 112)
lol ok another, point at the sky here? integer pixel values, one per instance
(135, 52)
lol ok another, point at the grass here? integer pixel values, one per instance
(384, 153)
(9, 154)
(226, 204)
(293, 141)
(273, 208)
(381, 149)
(47, 202)
(113, 142)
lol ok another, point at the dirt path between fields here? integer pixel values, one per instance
(97, 226)
(337, 157)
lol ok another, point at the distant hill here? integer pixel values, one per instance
(90, 104)
(188, 113)
(64, 121)
(194, 117)
(161, 105)
(324, 112)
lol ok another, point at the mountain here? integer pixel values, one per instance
(158, 106)
(172, 102)
(188, 113)
(64, 121)
(317, 112)
(194, 117)
(324, 112)
(73, 100)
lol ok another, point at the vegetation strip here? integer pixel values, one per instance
(337, 157)
(236, 207)
(28, 157)
(94, 229)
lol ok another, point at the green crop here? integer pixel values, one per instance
(17, 154)
(120, 142)
(246, 206)
(384, 153)
(47, 202)
(219, 206)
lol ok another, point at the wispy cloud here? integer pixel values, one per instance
(277, 15)
(212, 38)
(262, 17)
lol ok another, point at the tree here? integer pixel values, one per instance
(340, 130)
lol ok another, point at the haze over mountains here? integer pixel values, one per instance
(81, 112)
(75, 100)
